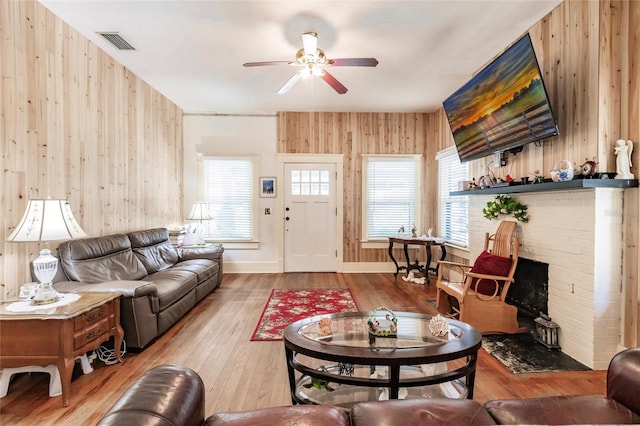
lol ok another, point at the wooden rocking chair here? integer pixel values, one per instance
(479, 299)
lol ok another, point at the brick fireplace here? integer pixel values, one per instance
(578, 233)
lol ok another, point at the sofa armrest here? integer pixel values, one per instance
(623, 379)
(212, 252)
(168, 394)
(124, 287)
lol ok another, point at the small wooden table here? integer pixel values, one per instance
(416, 265)
(58, 335)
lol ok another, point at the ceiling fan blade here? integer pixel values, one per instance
(310, 43)
(353, 62)
(331, 80)
(289, 83)
(261, 64)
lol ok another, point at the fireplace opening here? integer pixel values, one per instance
(530, 288)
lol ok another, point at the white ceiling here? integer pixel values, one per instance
(193, 51)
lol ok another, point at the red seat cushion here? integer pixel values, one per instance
(489, 264)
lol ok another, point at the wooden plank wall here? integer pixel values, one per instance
(354, 134)
(629, 48)
(582, 48)
(74, 123)
(589, 54)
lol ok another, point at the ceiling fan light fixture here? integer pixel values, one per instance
(310, 43)
(308, 71)
(313, 62)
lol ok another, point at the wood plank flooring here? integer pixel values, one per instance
(213, 339)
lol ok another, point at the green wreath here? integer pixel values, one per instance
(504, 204)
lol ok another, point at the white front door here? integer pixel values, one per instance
(310, 217)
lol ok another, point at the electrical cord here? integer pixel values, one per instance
(108, 356)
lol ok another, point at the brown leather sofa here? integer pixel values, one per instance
(621, 405)
(158, 285)
(174, 395)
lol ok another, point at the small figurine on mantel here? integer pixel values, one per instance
(623, 150)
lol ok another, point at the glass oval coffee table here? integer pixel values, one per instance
(339, 362)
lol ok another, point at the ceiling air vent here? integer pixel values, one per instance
(117, 40)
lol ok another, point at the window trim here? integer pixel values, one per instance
(377, 243)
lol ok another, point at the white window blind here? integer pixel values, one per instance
(454, 218)
(391, 189)
(228, 190)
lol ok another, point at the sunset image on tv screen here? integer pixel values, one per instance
(505, 105)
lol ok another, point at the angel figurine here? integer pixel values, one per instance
(623, 150)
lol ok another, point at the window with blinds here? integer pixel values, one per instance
(391, 195)
(228, 184)
(454, 217)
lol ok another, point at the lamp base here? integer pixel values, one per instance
(45, 295)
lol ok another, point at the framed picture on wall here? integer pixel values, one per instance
(268, 187)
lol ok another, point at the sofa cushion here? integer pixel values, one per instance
(490, 264)
(203, 268)
(172, 285)
(153, 248)
(94, 260)
(558, 410)
(298, 415)
(418, 412)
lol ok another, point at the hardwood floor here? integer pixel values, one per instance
(213, 339)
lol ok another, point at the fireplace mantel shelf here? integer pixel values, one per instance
(554, 186)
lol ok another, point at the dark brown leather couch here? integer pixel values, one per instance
(621, 404)
(158, 285)
(174, 395)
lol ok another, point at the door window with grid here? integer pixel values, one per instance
(309, 182)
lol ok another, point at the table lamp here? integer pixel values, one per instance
(46, 220)
(200, 211)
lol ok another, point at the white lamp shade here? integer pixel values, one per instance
(200, 211)
(47, 220)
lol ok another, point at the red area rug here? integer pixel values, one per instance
(287, 306)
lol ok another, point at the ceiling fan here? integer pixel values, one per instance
(314, 62)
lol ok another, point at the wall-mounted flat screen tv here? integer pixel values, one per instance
(503, 107)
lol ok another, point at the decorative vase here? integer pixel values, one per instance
(563, 170)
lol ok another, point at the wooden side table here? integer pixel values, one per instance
(58, 335)
(417, 266)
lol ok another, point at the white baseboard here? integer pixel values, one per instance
(364, 267)
(274, 267)
(251, 268)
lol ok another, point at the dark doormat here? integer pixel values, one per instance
(521, 353)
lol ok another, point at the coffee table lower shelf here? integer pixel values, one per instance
(313, 391)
